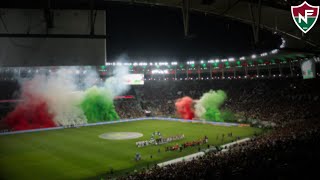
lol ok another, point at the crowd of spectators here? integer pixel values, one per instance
(289, 151)
(276, 100)
(285, 153)
(272, 100)
(128, 108)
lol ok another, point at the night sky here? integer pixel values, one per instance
(156, 33)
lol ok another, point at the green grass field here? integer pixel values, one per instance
(79, 153)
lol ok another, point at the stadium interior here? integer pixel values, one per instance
(159, 89)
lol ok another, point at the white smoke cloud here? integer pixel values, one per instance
(116, 84)
(57, 89)
(91, 78)
(62, 100)
(199, 109)
(61, 90)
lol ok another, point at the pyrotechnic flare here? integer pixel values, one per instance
(63, 100)
(50, 100)
(98, 101)
(184, 108)
(208, 106)
(31, 113)
(98, 105)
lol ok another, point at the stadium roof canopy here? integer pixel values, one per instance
(273, 15)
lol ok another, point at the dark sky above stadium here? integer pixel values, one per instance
(156, 33)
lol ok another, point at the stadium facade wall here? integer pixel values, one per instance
(60, 49)
(127, 120)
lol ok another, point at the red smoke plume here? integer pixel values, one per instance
(184, 108)
(31, 113)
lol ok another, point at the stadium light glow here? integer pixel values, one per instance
(231, 59)
(254, 56)
(163, 63)
(135, 64)
(275, 51)
(217, 60)
(174, 63)
(263, 54)
(160, 71)
(242, 58)
(224, 60)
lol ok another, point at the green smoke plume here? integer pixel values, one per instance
(208, 106)
(98, 105)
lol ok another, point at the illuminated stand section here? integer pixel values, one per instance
(275, 63)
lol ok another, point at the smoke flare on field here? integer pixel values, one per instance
(30, 116)
(184, 107)
(58, 90)
(31, 113)
(98, 105)
(55, 99)
(208, 107)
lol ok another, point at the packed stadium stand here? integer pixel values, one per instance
(286, 153)
(277, 100)
(289, 151)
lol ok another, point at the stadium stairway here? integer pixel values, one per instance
(137, 93)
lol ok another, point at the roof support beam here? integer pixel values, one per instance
(185, 16)
(255, 23)
(80, 36)
(48, 15)
(93, 15)
(229, 7)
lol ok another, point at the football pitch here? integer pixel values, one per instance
(79, 153)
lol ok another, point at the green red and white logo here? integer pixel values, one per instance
(305, 16)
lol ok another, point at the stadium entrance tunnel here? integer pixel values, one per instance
(120, 135)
